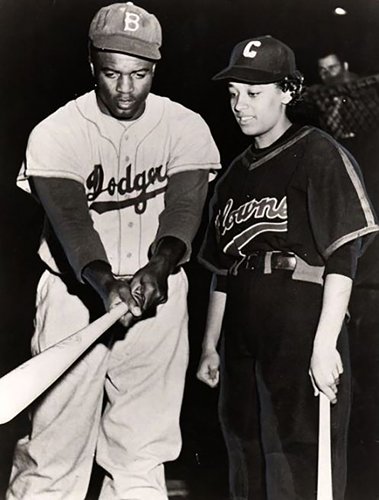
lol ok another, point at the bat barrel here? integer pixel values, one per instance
(24, 384)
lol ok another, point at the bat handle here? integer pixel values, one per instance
(324, 475)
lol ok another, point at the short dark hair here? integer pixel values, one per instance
(294, 84)
(332, 52)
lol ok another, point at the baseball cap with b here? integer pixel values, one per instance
(124, 27)
(263, 59)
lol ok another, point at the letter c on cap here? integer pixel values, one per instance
(248, 51)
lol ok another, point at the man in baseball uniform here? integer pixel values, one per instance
(122, 175)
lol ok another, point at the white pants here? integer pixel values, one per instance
(142, 373)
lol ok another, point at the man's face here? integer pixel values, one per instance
(330, 68)
(260, 110)
(123, 84)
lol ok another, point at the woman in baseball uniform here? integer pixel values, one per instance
(289, 219)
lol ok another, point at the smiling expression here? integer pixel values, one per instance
(260, 110)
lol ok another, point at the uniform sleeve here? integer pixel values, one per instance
(211, 255)
(338, 206)
(184, 201)
(51, 154)
(345, 259)
(192, 145)
(66, 207)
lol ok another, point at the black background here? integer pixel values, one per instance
(43, 57)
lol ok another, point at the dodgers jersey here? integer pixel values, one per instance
(124, 167)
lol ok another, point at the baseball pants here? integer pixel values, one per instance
(134, 429)
(268, 410)
(363, 456)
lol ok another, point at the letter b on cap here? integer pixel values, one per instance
(131, 21)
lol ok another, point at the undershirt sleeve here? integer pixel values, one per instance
(184, 200)
(65, 204)
(345, 259)
(220, 283)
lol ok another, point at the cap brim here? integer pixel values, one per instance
(247, 75)
(126, 45)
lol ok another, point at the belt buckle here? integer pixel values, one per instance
(283, 262)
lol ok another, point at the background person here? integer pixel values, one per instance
(333, 69)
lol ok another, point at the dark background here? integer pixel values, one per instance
(43, 57)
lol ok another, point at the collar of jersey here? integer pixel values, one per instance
(89, 109)
(251, 161)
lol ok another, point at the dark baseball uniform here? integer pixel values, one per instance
(301, 196)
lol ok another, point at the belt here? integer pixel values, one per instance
(266, 261)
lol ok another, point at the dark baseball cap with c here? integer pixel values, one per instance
(262, 59)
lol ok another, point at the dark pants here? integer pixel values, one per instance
(363, 451)
(268, 411)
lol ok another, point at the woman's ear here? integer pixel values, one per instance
(287, 97)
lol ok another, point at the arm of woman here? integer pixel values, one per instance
(208, 371)
(326, 365)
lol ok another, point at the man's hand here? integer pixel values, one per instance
(113, 291)
(149, 284)
(119, 291)
(208, 371)
(325, 370)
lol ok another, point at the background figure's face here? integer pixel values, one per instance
(123, 84)
(330, 68)
(260, 110)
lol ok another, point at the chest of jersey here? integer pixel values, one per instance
(253, 213)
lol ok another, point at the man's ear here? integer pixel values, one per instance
(92, 67)
(346, 66)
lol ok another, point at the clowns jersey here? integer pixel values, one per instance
(303, 194)
(124, 167)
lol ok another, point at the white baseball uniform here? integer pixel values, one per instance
(124, 167)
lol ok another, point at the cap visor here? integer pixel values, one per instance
(247, 75)
(126, 45)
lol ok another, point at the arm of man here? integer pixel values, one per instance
(178, 223)
(65, 204)
(209, 365)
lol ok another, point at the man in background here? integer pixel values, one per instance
(333, 69)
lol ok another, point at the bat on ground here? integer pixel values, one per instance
(24, 384)
(324, 474)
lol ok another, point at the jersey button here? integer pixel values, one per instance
(130, 224)
(129, 254)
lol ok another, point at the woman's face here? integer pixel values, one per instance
(260, 110)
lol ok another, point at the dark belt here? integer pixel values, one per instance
(277, 261)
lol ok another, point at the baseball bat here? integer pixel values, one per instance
(324, 473)
(24, 384)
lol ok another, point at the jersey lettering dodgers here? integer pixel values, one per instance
(124, 167)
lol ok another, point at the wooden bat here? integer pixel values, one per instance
(24, 384)
(324, 474)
